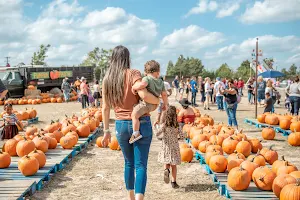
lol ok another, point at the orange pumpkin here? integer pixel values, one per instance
(208, 155)
(261, 118)
(91, 123)
(59, 100)
(268, 133)
(52, 144)
(285, 123)
(99, 142)
(277, 164)
(294, 139)
(229, 145)
(10, 147)
(236, 155)
(291, 191)
(272, 119)
(218, 163)
(83, 130)
(234, 163)
(203, 146)
(295, 174)
(249, 166)
(113, 145)
(68, 142)
(258, 159)
(58, 134)
(184, 145)
(30, 130)
(244, 148)
(255, 145)
(238, 179)
(30, 87)
(5, 160)
(53, 100)
(286, 169)
(186, 154)
(24, 147)
(263, 178)
(40, 156)
(281, 181)
(28, 165)
(295, 125)
(41, 143)
(197, 139)
(270, 155)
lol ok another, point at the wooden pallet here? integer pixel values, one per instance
(220, 180)
(13, 185)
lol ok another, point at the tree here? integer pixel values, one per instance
(293, 70)
(185, 67)
(224, 71)
(210, 74)
(39, 57)
(244, 71)
(98, 58)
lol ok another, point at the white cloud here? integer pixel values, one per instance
(191, 38)
(294, 59)
(203, 7)
(70, 33)
(228, 10)
(272, 11)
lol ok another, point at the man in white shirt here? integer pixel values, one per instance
(219, 97)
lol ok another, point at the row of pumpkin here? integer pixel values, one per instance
(25, 101)
(247, 159)
(32, 145)
(28, 113)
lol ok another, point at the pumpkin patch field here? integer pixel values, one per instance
(241, 158)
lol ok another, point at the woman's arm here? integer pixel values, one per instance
(230, 91)
(139, 85)
(106, 116)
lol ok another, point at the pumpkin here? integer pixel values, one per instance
(286, 168)
(52, 144)
(50, 128)
(295, 126)
(236, 155)
(32, 113)
(277, 164)
(234, 163)
(83, 130)
(113, 145)
(53, 100)
(249, 166)
(195, 130)
(216, 139)
(91, 123)
(218, 163)
(238, 179)
(294, 139)
(30, 87)
(208, 155)
(197, 139)
(59, 100)
(285, 123)
(24, 147)
(99, 142)
(272, 119)
(10, 147)
(281, 181)
(263, 178)
(258, 159)
(203, 145)
(295, 174)
(41, 143)
(68, 142)
(244, 148)
(58, 134)
(25, 115)
(255, 145)
(28, 165)
(185, 129)
(5, 160)
(68, 128)
(261, 118)
(184, 145)
(73, 133)
(268, 133)
(227, 130)
(229, 145)
(214, 147)
(291, 191)
(40, 156)
(270, 155)
(186, 154)
(30, 130)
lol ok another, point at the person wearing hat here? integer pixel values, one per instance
(84, 92)
(66, 88)
(219, 96)
(186, 115)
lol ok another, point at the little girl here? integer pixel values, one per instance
(287, 102)
(170, 154)
(11, 121)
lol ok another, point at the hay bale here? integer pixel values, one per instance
(55, 91)
(28, 92)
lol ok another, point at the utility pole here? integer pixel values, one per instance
(256, 65)
(7, 61)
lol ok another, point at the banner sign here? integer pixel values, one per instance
(52, 74)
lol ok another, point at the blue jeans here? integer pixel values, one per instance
(219, 100)
(193, 98)
(295, 102)
(202, 96)
(250, 97)
(231, 113)
(67, 95)
(260, 95)
(136, 154)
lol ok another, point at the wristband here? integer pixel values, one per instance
(106, 131)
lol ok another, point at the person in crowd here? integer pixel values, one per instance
(219, 96)
(155, 85)
(212, 94)
(240, 86)
(77, 87)
(293, 90)
(271, 90)
(261, 87)
(3, 91)
(186, 115)
(201, 89)
(97, 93)
(66, 88)
(187, 88)
(84, 92)
(208, 92)
(235, 83)
(10, 123)
(287, 103)
(91, 99)
(175, 85)
(268, 103)
(250, 91)
(230, 102)
(117, 93)
(194, 90)
(170, 153)
(181, 89)
(167, 86)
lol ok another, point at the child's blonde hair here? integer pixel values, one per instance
(151, 66)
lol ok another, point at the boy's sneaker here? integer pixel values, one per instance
(174, 185)
(134, 138)
(167, 176)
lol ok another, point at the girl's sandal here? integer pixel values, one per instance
(167, 176)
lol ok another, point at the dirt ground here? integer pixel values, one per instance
(98, 173)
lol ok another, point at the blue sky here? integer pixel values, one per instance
(216, 31)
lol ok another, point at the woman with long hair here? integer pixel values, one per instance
(293, 90)
(117, 93)
(207, 90)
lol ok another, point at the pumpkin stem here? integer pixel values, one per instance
(1, 152)
(282, 157)
(271, 147)
(298, 182)
(27, 156)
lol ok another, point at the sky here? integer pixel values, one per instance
(215, 31)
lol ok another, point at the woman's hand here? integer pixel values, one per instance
(106, 139)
